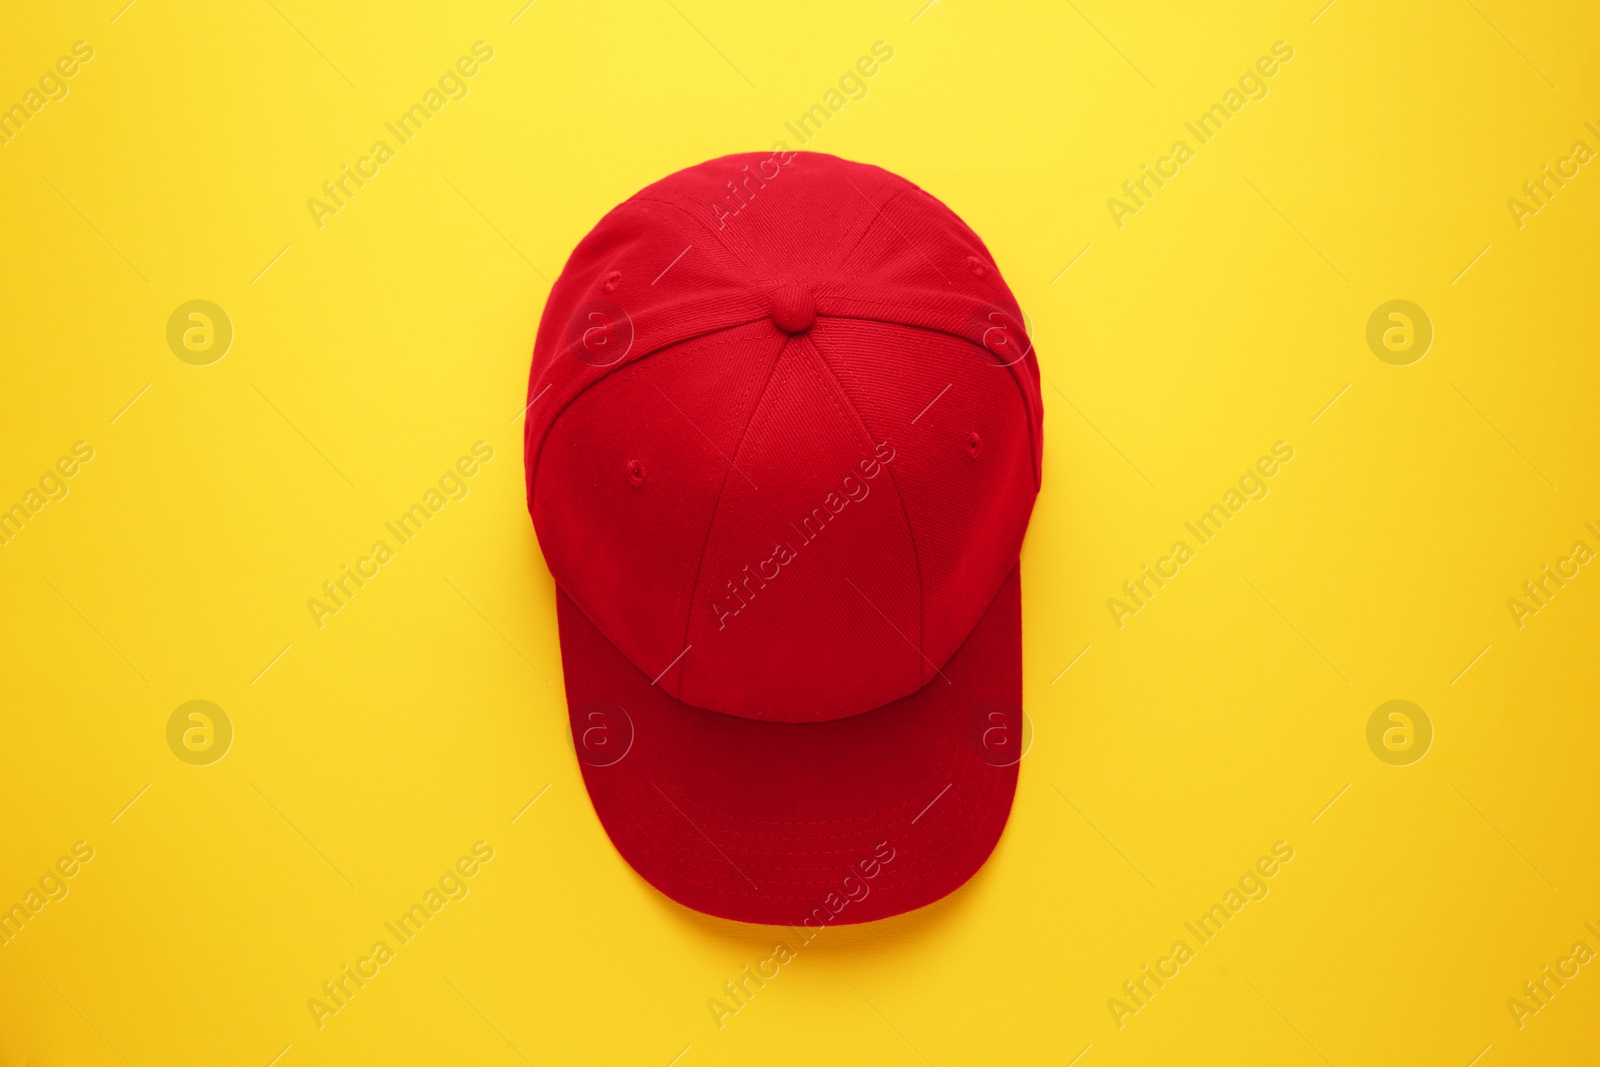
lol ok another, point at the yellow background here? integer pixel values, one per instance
(1223, 717)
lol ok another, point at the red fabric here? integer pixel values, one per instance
(783, 441)
(762, 821)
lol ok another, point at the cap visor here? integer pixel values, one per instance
(817, 823)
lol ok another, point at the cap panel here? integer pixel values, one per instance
(808, 605)
(920, 265)
(630, 478)
(963, 468)
(647, 276)
(781, 213)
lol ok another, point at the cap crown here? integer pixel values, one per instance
(785, 434)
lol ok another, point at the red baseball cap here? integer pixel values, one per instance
(783, 440)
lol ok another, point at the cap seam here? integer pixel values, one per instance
(877, 217)
(1022, 389)
(684, 216)
(611, 376)
(905, 517)
(694, 219)
(941, 206)
(880, 214)
(838, 265)
(612, 380)
(716, 508)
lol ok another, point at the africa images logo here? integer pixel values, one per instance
(52, 86)
(1252, 85)
(452, 85)
(1252, 885)
(452, 886)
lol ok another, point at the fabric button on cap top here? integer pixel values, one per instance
(793, 307)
